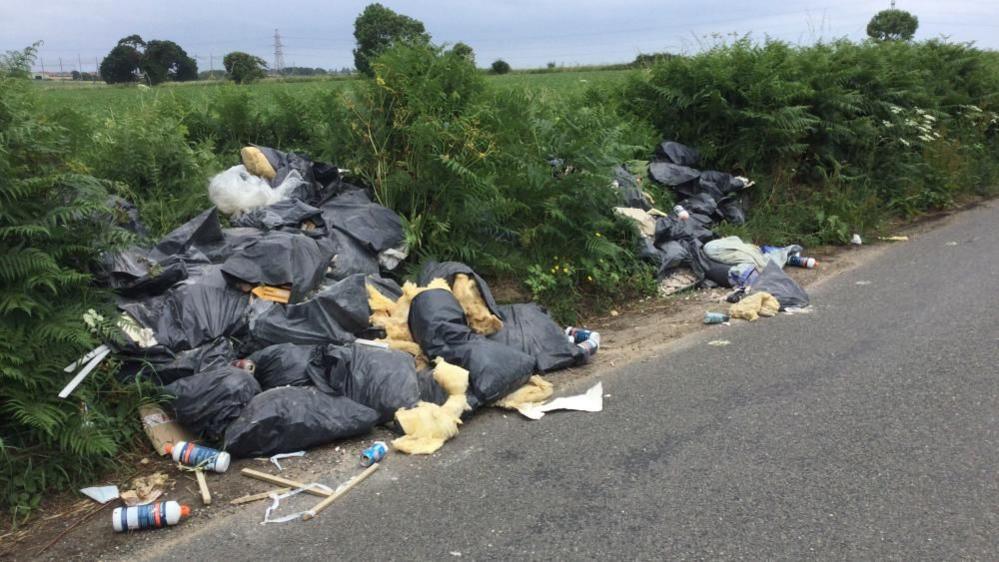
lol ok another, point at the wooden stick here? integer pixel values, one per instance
(271, 479)
(326, 502)
(260, 496)
(206, 495)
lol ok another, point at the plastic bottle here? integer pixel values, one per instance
(150, 516)
(715, 318)
(800, 261)
(681, 213)
(191, 454)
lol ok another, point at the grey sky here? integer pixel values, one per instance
(526, 33)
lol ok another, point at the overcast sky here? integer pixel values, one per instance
(526, 33)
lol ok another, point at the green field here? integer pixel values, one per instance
(99, 97)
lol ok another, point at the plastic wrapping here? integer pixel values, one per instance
(293, 418)
(190, 315)
(207, 402)
(288, 214)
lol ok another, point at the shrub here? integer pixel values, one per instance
(500, 66)
(53, 227)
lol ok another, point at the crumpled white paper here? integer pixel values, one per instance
(591, 401)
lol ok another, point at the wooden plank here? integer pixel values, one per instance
(283, 482)
(350, 485)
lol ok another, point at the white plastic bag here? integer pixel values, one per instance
(236, 190)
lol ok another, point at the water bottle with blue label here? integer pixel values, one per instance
(150, 516)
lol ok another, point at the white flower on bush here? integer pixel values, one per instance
(92, 319)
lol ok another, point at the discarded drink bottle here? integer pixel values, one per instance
(800, 261)
(150, 516)
(191, 454)
(681, 213)
(375, 453)
(245, 364)
(577, 335)
(715, 318)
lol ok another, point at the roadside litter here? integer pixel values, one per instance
(101, 494)
(681, 245)
(590, 401)
(286, 330)
(149, 516)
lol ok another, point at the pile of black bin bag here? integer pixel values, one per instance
(313, 382)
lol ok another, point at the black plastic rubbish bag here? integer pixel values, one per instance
(448, 270)
(133, 274)
(282, 258)
(678, 153)
(203, 232)
(285, 214)
(164, 366)
(333, 315)
(190, 315)
(775, 281)
(376, 227)
(673, 175)
(207, 402)
(631, 191)
(126, 215)
(381, 379)
(430, 390)
(284, 364)
(438, 324)
(350, 257)
(293, 418)
(530, 329)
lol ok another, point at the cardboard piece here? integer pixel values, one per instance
(161, 428)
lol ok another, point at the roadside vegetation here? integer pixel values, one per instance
(840, 138)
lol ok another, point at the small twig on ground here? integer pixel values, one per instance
(73, 526)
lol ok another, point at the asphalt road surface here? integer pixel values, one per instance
(867, 429)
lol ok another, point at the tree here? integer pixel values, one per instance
(463, 50)
(243, 68)
(500, 66)
(165, 60)
(377, 28)
(121, 65)
(892, 25)
(75, 75)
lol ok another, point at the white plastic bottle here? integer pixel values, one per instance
(150, 516)
(192, 454)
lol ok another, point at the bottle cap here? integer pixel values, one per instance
(168, 448)
(185, 511)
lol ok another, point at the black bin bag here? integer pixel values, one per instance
(376, 227)
(438, 325)
(448, 270)
(163, 365)
(190, 314)
(381, 379)
(528, 327)
(284, 364)
(293, 418)
(282, 258)
(775, 281)
(207, 402)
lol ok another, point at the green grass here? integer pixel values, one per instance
(100, 98)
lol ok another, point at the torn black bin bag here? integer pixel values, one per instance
(631, 191)
(126, 215)
(376, 227)
(448, 270)
(288, 213)
(678, 153)
(190, 315)
(438, 324)
(202, 232)
(332, 315)
(702, 204)
(775, 281)
(430, 390)
(674, 175)
(350, 257)
(164, 366)
(132, 273)
(207, 402)
(732, 210)
(293, 418)
(284, 364)
(381, 379)
(530, 329)
(282, 258)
